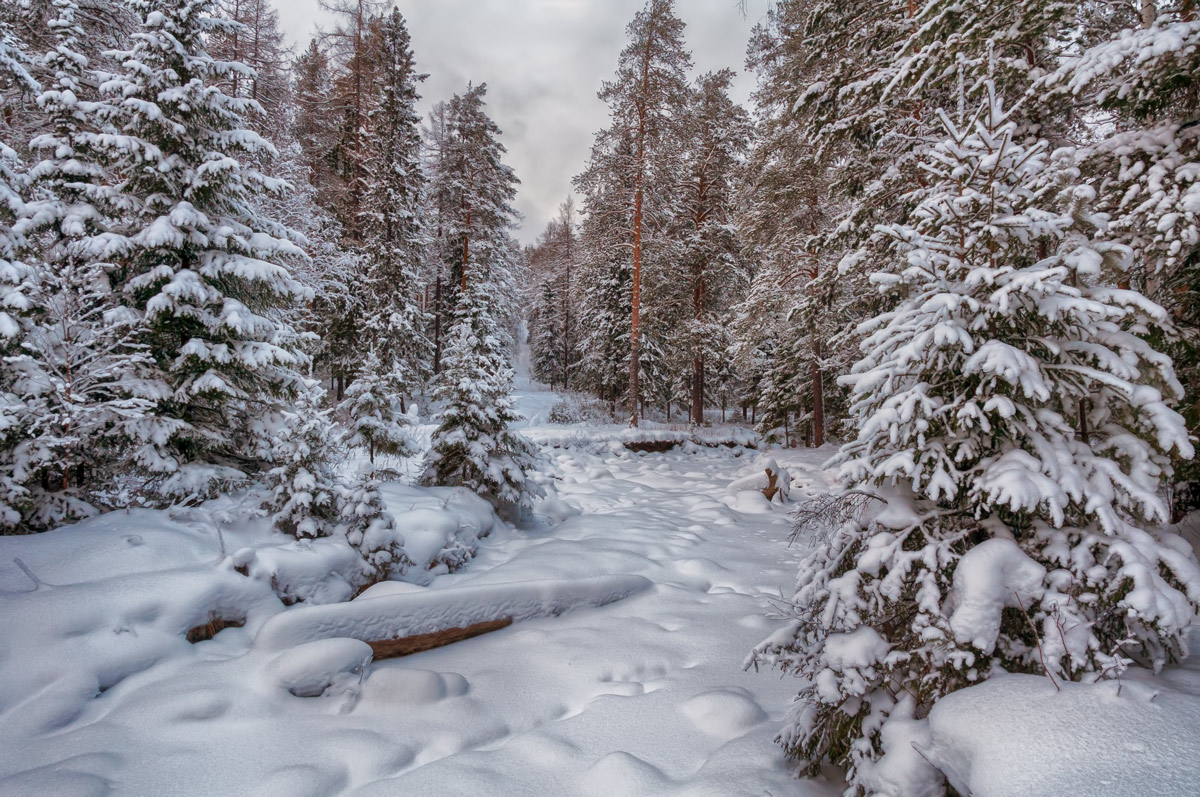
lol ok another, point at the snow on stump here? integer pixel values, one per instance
(405, 623)
(771, 482)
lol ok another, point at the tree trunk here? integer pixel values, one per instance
(437, 323)
(1149, 13)
(818, 396)
(638, 197)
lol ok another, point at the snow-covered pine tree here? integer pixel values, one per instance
(314, 123)
(605, 269)
(473, 446)
(391, 223)
(79, 367)
(206, 273)
(17, 283)
(554, 319)
(299, 441)
(1144, 70)
(371, 411)
(1015, 535)
(353, 90)
(717, 134)
(646, 96)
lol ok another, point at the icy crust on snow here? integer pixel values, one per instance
(398, 616)
(1017, 736)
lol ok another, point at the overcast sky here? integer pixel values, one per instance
(543, 61)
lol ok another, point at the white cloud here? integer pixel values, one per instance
(543, 61)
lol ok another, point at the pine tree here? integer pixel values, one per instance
(1015, 535)
(315, 131)
(17, 283)
(257, 42)
(645, 97)
(392, 220)
(206, 275)
(473, 445)
(718, 133)
(554, 320)
(352, 92)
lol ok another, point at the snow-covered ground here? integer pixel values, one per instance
(645, 695)
(638, 591)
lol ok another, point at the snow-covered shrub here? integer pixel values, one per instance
(562, 412)
(1014, 435)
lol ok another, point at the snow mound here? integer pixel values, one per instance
(399, 686)
(760, 478)
(1017, 735)
(399, 616)
(992, 576)
(723, 713)
(325, 667)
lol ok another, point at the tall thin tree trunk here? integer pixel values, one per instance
(638, 198)
(818, 396)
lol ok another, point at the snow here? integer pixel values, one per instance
(409, 614)
(1134, 736)
(644, 695)
(994, 575)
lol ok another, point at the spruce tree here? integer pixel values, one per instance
(1142, 69)
(392, 221)
(473, 445)
(207, 276)
(79, 366)
(371, 412)
(17, 283)
(1011, 533)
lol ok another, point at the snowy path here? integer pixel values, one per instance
(643, 697)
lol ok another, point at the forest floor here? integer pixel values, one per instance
(644, 696)
(100, 694)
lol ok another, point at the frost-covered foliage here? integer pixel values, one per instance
(301, 443)
(79, 367)
(1016, 426)
(473, 445)
(206, 274)
(371, 411)
(1146, 165)
(391, 220)
(16, 286)
(370, 528)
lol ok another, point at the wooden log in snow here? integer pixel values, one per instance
(415, 621)
(394, 648)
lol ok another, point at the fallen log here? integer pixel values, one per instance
(401, 624)
(394, 648)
